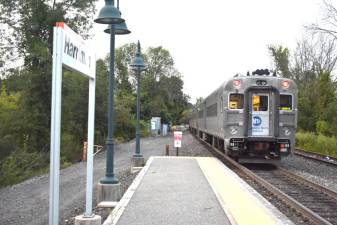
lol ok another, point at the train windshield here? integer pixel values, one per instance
(236, 101)
(260, 103)
(286, 102)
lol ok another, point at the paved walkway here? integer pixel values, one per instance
(189, 191)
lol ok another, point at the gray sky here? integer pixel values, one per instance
(215, 39)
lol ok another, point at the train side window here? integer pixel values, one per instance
(201, 114)
(260, 103)
(235, 101)
(221, 104)
(286, 102)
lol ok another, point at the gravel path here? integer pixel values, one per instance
(317, 172)
(27, 203)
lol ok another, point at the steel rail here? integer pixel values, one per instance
(316, 156)
(318, 187)
(289, 201)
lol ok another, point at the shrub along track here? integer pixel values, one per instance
(313, 203)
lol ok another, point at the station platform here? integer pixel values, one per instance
(189, 191)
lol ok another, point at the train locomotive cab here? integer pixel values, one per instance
(260, 117)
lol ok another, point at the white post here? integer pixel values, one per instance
(55, 129)
(90, 149)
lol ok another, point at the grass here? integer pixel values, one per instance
(317, 143)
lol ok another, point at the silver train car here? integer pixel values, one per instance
(252, 118)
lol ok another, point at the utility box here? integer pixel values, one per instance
(155, 125)
(164, 130)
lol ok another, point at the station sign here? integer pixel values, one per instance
(76, 54)
(71, 51)
(178, 136)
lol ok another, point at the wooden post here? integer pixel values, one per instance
(85, 149)
(167, 150)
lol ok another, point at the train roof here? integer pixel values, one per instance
(263, 74)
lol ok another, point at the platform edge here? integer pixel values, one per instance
(122, 204)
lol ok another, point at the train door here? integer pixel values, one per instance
(205, 115)
(261, 113)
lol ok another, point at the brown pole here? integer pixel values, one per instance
(167, 150)
(84, 155)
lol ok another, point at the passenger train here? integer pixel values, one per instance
(252, 117)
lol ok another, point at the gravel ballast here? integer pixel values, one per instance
(318, 172)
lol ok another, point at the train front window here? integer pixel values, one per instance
(236, 101)
(260, 103)
(286, 102)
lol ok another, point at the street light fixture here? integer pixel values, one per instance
(109, 14)
(109, 186)
(138, 66)
(120, 28)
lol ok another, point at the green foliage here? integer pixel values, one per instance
(25, 111)
(281, 59)
(25, 108)
(322, 127)
(20, 165)
(7, 145)
(125, 120)
(101, 107)
(71, 148)
(317, 95)
(185, 116)
(144, 128)
(317, 143)
(9, 125)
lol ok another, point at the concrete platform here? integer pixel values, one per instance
(189, 191)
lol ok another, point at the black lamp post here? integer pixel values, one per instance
(138, 66)
(110, 15)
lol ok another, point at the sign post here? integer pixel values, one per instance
(69, 50)
(178, 136)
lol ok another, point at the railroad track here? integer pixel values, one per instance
(314, 203)
(320, 200)
(316, 156)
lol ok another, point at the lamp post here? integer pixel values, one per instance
(109, 186)
(138, 66)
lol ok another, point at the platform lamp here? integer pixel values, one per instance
(119, 28)
(138, 66)
(109, 186)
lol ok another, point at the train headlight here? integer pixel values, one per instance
(233, 130)
(285, 84)
(236, 83)
(286, 131)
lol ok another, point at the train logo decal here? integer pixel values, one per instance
(257, 121)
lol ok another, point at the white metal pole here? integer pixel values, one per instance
(55, 128)
(90, 149)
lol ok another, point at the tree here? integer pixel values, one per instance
(281, 59)
(9, 126)
(328, 24)
(162, 93)
(29, 35)
(314, 59)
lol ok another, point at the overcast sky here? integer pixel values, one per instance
(214, 39)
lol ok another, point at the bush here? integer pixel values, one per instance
(20, 165)
(317, 143)
(144, 127)
(6, 146)
(71, 149)
(322, 127)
